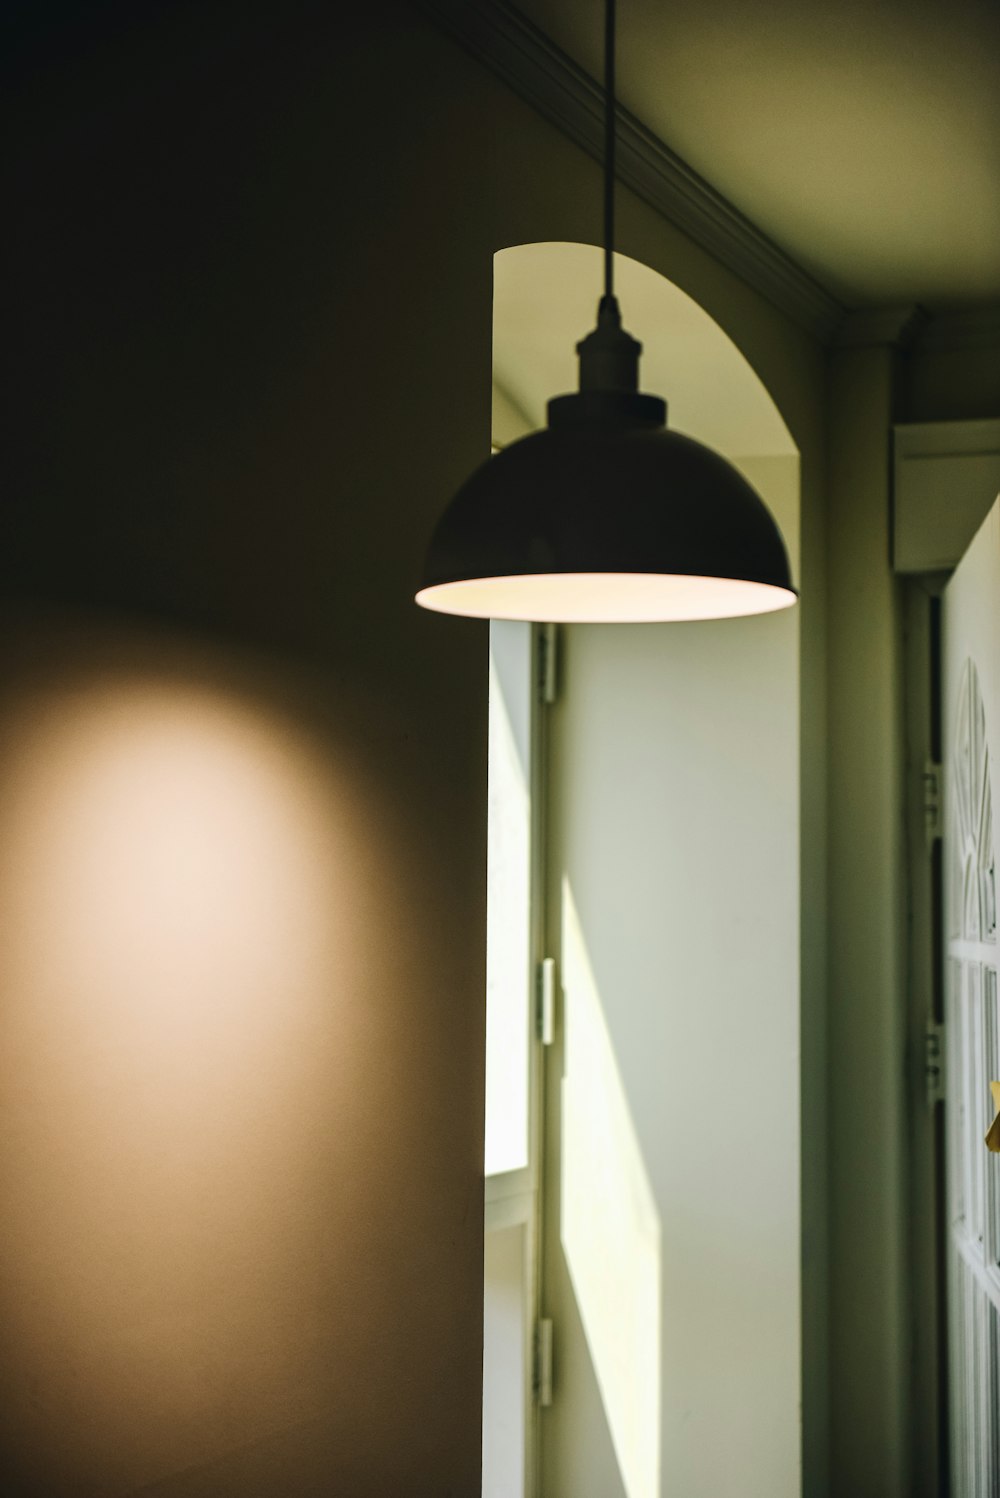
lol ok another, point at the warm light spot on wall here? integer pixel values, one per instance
(187, 902)
(174, 843)
(610, 1225)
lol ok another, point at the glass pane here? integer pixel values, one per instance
(508, 928)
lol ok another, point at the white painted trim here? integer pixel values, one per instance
(946, 475)
(508, 1212)
(960, 331)
(922, 439)
(899, 327)
(508, 1183)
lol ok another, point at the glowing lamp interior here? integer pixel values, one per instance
(605, 597)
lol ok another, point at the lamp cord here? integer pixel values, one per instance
(609, 147)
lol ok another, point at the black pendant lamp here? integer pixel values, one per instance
(606, 516)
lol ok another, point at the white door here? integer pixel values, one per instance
(971, 712)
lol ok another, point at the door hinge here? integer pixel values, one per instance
(545, 1001)
(543, 1363)
(933, 809)
(548, 663)
(934, 1063)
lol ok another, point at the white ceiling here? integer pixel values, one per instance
(862, 136)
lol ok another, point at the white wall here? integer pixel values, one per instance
(675, 834)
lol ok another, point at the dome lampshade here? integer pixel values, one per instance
(606, 516)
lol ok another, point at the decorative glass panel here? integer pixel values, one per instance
(956, 1090)
(991, 1162)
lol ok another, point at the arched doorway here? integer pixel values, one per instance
(670, 1200)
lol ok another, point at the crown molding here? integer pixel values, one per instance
(529, 62)
(978, 328)
(912, 329)
(899, 327)
(513, 48)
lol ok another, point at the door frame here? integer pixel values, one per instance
(925, 1061)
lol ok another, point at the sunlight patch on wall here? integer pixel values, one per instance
(610, 1225)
